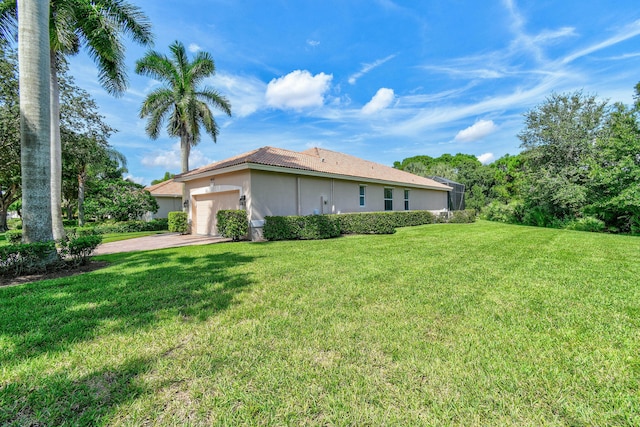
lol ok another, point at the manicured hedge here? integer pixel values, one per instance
(326, 226)
(178, 222)
(132, 226)
(233, 224)
(381, 222)
(300, 227)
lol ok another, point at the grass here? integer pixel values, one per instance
(470, 324)
(106, 238)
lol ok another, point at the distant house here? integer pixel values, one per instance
(273, 181)
(168, 194)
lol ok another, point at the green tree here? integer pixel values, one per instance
(614, 190)
(96, 25)
(118, 199)
(167, 176)
(9, 133)
(558, 141)
(181, 102)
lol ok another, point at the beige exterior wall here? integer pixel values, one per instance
(274, 193)
(167, 204)
(288, 194)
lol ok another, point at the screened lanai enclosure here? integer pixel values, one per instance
(456, 195)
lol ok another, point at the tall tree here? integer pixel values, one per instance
(96, 25)
(558, 141)
(35, 119)
(181, 102)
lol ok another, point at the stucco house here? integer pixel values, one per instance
(168, 194)
(273, 181)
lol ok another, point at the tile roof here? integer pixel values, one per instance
(166, 188)
(318, 160)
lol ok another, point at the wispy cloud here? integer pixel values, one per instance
(193, 48)
(245, 93)
(366, 68)
(171, 159)
(625, 33)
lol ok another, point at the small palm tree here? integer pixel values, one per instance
(180, 101)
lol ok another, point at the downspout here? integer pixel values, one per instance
(298, 196)
(333, 205)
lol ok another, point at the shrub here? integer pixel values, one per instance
(233, 224)
(178, 222)
(38, 257)
(463, 217)
(28, 258)
(131, 226)
(367, 223)
(77, 251)
(511, 213)
(588, 223)
(301, 227)
(14, 237)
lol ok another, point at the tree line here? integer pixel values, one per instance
(579, 164)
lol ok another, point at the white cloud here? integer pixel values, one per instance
(381, 100)
(477, 131)
(486, 158)
(246, 94)
(193, 48)
(136, 179)
(171, 159)
(298, 89)
(368, 67)
(313, 43)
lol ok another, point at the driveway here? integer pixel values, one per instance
(156, 241)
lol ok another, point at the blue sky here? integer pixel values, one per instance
(381, 80)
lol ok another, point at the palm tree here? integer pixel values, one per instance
(33, 54)
(180, 101)
(97, 26)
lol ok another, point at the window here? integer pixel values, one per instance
(388, 199)
(406, 200)
(363, 191)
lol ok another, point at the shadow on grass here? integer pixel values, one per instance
(134, 294)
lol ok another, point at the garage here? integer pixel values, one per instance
(207, 206)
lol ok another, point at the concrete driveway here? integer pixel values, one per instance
(156, 241)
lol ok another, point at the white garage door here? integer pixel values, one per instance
(207, 205)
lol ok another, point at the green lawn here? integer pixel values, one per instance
(106, 238)
(114, 237)
(470, 324)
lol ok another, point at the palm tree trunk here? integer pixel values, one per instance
(185, 150)
(35, 119)
(82, 178)
(56, 153)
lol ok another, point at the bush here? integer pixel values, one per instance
(382, 222)
(14, 237)
(39, 257)
(131, 226)
(310, 227)
(178, 222)
(588, 223)
(77, 251)
(233, 224)
(512, 213)
(28, 258)
(463, 217)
